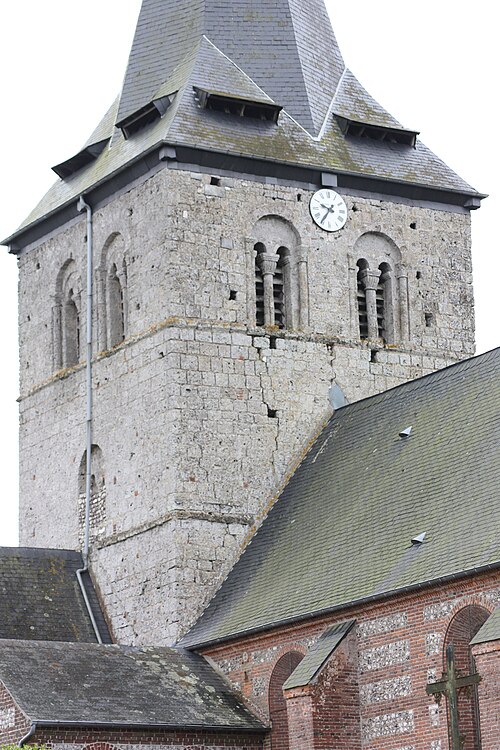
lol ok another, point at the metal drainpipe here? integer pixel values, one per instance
(28, 735)
(83, 206)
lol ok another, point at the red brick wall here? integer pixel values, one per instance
(300, 714)
(13, 723)
(277, 704)
(400, 646)
(462, 629)
(336, 708)
(89, 739)
(325, 715)
(487, 656)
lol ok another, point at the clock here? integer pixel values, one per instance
(328, 210)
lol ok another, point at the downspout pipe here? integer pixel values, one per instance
(83, 206)
(28, 735)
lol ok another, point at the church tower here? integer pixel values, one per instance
(267, 241)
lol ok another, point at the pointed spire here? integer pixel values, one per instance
(287, 47)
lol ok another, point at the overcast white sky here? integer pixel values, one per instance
(434, 64)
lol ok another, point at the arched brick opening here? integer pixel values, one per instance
(461, 630)
(277, 703)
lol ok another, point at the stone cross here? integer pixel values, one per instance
(449, 685)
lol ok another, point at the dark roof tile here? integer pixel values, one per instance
(40, 598)
(76, 683)
(341, 530)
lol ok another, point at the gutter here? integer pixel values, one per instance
(160, 726)
(151, 160)
(196, 645)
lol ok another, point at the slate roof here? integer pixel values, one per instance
(40, 598)
(341, 530)
(89, 684)
(283, 51)
(318, 655)
(490, 631)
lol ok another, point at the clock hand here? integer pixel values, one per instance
(326, 215)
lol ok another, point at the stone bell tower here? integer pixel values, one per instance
(267, 241)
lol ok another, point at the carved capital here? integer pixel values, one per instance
(370, 279)
(267, 263)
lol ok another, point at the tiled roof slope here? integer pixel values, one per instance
(40, 598)
(76, 683)
(274, 50)
(341, 531)
(490, 630)
(286, 46)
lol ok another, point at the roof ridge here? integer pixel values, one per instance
(415, 383)
(240, 70)
(301, 63)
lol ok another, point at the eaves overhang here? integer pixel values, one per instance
(242, 164)
(130, 726)
(199, 645)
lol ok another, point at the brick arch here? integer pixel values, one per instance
(277, 704)
(462, 628)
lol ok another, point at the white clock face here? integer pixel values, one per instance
(328, 210)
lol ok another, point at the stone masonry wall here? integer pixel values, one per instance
(400, 648)
(199, 414)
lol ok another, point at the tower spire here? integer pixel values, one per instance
(287, 47)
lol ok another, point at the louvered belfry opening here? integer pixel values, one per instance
(259, 286)
(279, 289)
(71, 324)
(383, 296)
(116, 310)
(381, 309)
(361, 296)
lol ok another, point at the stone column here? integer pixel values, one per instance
(353, 296)
(100, 309)
(57, 335)
(303, 294)
(122, 278)
(370, 281)
(268, 263)
(389, 326)
(404, 308)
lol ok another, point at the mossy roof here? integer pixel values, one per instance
(342, 529)
(282, 51)
(40, 598)
(90, 684)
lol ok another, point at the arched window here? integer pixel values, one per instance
(66, 317)
(116, 323)
(461, 631)
(277, 704)
(380, 290)
(97, 494)
(71, 331)
(280, 275)
(112, 294)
